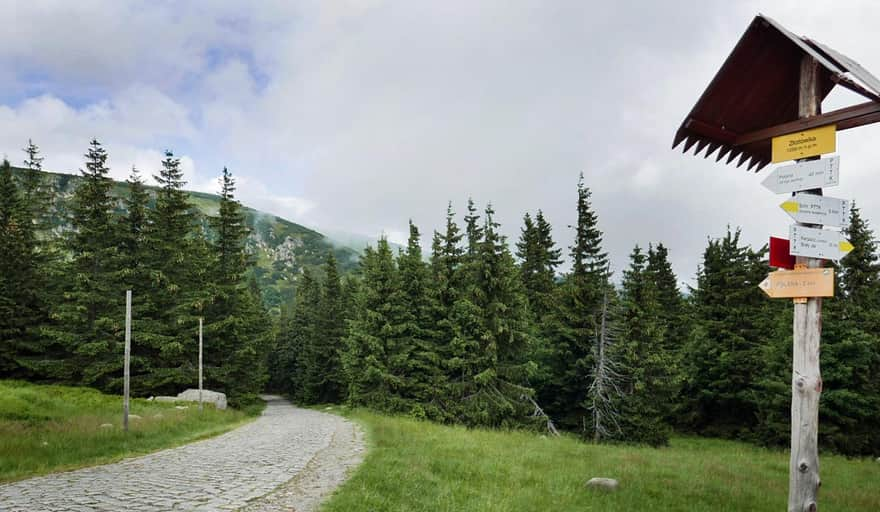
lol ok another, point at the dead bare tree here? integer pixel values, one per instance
(605, 386)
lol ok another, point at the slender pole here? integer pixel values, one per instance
(200, 363)
(126, 372)
(806, 385)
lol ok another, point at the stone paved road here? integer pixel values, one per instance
(221, 473)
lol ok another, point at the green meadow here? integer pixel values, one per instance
(419, 466)
(53, 428)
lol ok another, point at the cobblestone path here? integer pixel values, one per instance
(228, 472)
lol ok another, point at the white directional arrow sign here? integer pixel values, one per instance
(812, 209)
(818, 243)
(804, 176)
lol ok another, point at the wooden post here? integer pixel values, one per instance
(126, 373)
(200, 363)
(806, 386)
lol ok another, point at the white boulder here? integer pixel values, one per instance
(603, 484)
(214, 397)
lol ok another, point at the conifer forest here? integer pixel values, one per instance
(476, 329)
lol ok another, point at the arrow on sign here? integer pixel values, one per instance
(804, 176)
(818, 243)
(812, 209)
(808, 282)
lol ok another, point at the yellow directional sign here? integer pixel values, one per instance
(792, 146)
(808, 282)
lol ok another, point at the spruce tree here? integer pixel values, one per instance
(179, 266)
(376, 358)
(425, 377)
(237, 329)
(21, 307)
(492, 342)
(575, 319)
(91, 319)
(323, 377)
(672, 315)
(644, 362)
(726, 353)
(36, 190)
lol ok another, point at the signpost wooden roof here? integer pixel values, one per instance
(754, 96)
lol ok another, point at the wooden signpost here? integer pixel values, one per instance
(126, 386)
(200, 364)
(804, 176)
(777, 81)
(812, 209)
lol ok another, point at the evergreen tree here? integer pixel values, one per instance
(376, 358)
(491, 344)
(539, 259)
(575, 320)
(643, 358)
(726, 354)
(91, 319)
(179, 262)
(132, 229)
(672, 315)
(238, 328)
(472, 229)
(425, 373)
(21, 307)
(323, 378)
(37, 193)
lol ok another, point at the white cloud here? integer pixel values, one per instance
(358, 116)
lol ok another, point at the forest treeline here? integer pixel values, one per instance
(475, 334)
(474, 330)
(62, 298)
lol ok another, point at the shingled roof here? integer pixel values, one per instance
(757, 88)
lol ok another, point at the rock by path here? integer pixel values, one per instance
(288, 459)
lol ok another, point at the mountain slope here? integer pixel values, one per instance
(281, 249)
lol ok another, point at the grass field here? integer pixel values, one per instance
(418, 466)
(53, 428)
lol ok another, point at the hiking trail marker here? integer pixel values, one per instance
(818, 243)
(804, 144)
(804, 176)
(813, 209)
(780, 253)
(807, 282)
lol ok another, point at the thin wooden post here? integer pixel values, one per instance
(200, 363)
(806, 386)
(126, 373)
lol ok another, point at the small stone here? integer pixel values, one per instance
(328, 408)
(603, 484)
(134, 417)
(150, 399)
(106, 425)
(878, 459)
(181, 407)
(543, 436)
(158, 416)
(44, 443)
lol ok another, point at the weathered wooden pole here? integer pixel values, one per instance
(200, 363)
(806, 386)
(126, 373)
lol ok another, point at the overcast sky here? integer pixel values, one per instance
(356, 116)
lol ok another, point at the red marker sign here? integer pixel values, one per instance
(780, 257)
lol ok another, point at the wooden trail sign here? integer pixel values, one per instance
(813, 209)
(791, 284)
(818, 243)
(804, 144)
(804, 176)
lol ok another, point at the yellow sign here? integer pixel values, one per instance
(809, 282)
(792, 146)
